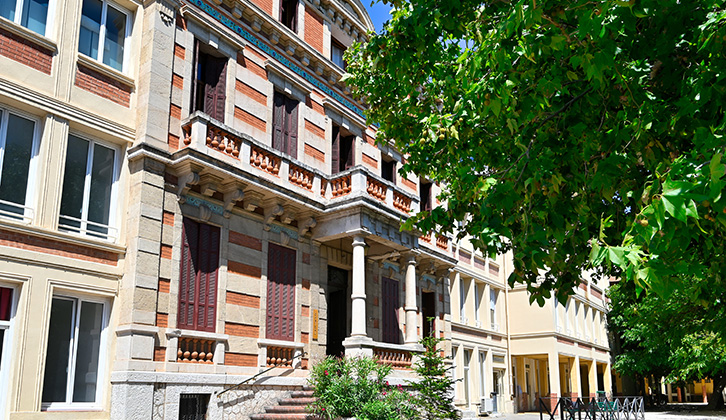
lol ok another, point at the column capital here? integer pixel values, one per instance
(411, 257)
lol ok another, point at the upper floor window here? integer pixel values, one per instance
(288, 14)
(343, 150)
(32, 14)
(17, 149)
(105, 29)
(388, 170)
(74, 357)
(209, 92)
(425, 196)
(284, 124)
(336, 54)
(493, 308)
(88, 189)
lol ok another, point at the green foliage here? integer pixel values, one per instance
(434, 390)
(575, 133)
(357, 387)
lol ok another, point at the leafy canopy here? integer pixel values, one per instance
(576, 133)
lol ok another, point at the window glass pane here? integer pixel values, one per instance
(16, 162)
(7, 9)
(99, 204)
(90, 27)
(89, 344)
(6, 303)
(34, 15)
(59, 342)
(74, 181)
(113, 47)
(2, 340)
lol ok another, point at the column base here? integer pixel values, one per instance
(358, 346)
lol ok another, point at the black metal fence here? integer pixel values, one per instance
(601, 408)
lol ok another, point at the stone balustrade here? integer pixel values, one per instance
(397, 359)
(264, 160)
(195, 350)
(401, 202)
(340, 186)
(225, 142)
(376, 189)
(300, 177)
(280, 356)
(442, 242)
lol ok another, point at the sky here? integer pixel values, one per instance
(379, 13)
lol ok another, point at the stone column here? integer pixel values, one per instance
(553, 363)
(592, 379)
(576, 381)
(410, 304)
(607, 380)
(358, 296)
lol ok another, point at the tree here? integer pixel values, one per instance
(576, 133)
(434, 387)
(664, 338)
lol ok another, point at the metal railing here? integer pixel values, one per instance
(601, 408)
(280, 363)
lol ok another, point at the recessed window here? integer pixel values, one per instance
(388, 170)
(425, 196)
(32, 14)
(343, 150)
(336, 54)
(88, 189)
(209, 92)
(17, 149)
(105, 28)
(284, 124)
(73, 359)
(288, 14)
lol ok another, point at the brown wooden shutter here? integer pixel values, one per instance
(278, 121)
(220, 88)
(335, 150)
(390, 303)
(196, 76)
(280, 293)
(350, 149)
(215, 92)
(209, 267)
(188, 274)
(291, 114)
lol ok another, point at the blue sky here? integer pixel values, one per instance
(379, 13)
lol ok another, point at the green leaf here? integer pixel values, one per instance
(675, 206)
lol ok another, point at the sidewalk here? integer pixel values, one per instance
(663, 415)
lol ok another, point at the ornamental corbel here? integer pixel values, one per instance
(288, 215)
(305, 227)
(252, 200)
(272, 212)
(231, 198)
(186, 183)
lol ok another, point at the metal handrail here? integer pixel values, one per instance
(302, 354)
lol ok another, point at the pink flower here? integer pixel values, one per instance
(387, 384)
(384, 392)
(326, 373)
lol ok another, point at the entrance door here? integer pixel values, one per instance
(390, 304)
(337, 311)
(428, 310)
(6, 314)
(584, 381)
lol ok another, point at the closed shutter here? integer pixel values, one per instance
(215, 87)
(198, 276)
(389, 298)
(198, 86)
(291, 114)
(335, 150)
(220, 88)
(278, 121)
(280, 293)
(350, 151)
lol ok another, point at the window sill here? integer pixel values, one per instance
(175, 333)
(62, 236)
(29, 35)
(105, 70)
(266, 342)
(71, 407)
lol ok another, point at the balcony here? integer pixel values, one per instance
(214, 139)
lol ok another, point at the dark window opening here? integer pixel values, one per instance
(428, 310)
(388, 170)
(193, 406)
(390, 303)
(288, 14)
(338, 298)
(425, 197)
(336, 54)
(209, 90)
(284, 122)
(343, 150)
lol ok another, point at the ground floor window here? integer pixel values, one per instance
(193, 406)
(74, 353)
(6, 315)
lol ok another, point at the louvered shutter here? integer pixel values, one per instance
(390, 303)
(335, 150)
(196, 70)
(206, 303)
(278, 121)
(291, 114)
(280, 293)
(350, 145)
(220, 88)
(188, 274)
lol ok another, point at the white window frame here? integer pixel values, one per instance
(69, 405)
(477, 305)
(482, 373)
(102, 35)
(467, 353)
(48, 18)
(462, 302)
(28, 210)
(112, 210)
(494, 315)
(8, 326)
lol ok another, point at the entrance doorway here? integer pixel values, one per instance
(390, 304)
(584, 381)
(428, 310)
(337, 310)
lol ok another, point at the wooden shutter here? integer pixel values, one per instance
(220, 88)
(349, 142)
(291, 125)
(335, 150)
(278, 121)
(188, 274)
(280, 293)
(390, 303)
(196, 76)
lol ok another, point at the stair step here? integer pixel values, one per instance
(287, 409)
(296, 401)
(301, 394)
(281, 416)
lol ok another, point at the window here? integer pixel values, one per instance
(88, 189)
(390, 302)
(493, 308)
(32, 14)
(425, 196)
(467, 376)
(288, 14)
(388, 170)
(336, 54)
(6, 315)
(280, 293)
(343, 150)
(74, 361)
(577, 318)
(284, 124)
(105, 29)
(198, 276)
(462, 301)
(482, 373)
(18, 148)
(209, 92)
(477, 304)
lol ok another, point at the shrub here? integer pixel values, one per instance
(434, 389)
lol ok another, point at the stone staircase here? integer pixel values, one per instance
(293, 408)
